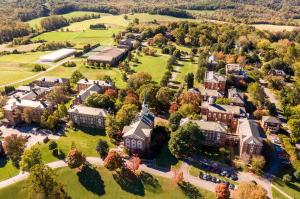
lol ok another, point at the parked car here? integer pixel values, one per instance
(213, 179)
(231, 186)
(233, 177)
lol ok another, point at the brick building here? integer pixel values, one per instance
(271, 124)
(50, 81)
(87, 116)
(137, 136)
(214, 81)
(250, 141)
(226, 114)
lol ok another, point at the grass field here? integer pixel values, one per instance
(81, 38)
(7, 170)
(202, 12)
(293, 189)
(35, 23)
(85, 140)
(273, 28)
(186, 66)
(154, 65)
(15, 67)
(102, 185)
(277, 195)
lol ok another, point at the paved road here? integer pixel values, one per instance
(53, 66)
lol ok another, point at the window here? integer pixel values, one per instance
(127, 142)
(139, 144)
(75, 118)
(133, 144)
(214, 115)
(100, 122)
(209, 114)
(224, 117)
(252, 148)
(218, 136)
(220, 116)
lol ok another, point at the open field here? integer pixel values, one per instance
(144, 17)
(81, 38)
(117, 20)
(20, 48)
(7, 170)
(154, 65)
(202, 12)
(101, 184)
(15, 67)
(273, 28)
(35, 23)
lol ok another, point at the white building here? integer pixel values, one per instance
(58, 55)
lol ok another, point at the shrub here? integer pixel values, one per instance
(52, 145)
(297, 175)
(287, 178)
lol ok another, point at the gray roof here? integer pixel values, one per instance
(84, 94)
(236, 110)
(53, 79)
(249, 132)
(142, 126)
(99, 82)
(107, 55)
(207, 125)
(271, 119)
(85, 110)
(211, 76)
(12, 103)
(210, 92)
(236, 96)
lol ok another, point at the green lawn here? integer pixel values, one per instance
(84, 139)
(35, 23)
(99, 183)
(185, 67)
(292, 189)
(144, 17)
(7, 170)
(154, 65)
(114, 21)
(277, 195)
(15, 67)
(81, 38)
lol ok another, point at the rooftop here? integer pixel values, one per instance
(107, 54)
(85, 110)
(236, 110)
(249, 131)
(211, 76)
(13, 103)
(207, 125)
(271, 119)
(210, 92)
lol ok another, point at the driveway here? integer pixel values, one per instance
(27, 131)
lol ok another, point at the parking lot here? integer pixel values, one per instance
(33, 134)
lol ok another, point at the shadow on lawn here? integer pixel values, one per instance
(129, 182)
(91, 180)
(3, 161)
(92, 131)
(190, 191)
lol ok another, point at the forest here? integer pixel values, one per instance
(14, 13)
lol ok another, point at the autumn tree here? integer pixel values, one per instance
(102, 148)
(222, 191)
(136, 80)
(14, 147)
(177, 176)
(135, 163)
(76, 76)
(257, 94)
(42, 183)
(30, 158)
(191, 98)
(113, 161)
(27, 115)
(250, 191)
(186, 140)
(75, 158)
(258, 162)
(126, 114)
(58, 95)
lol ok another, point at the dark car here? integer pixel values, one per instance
(234, 177)
(232, 186)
